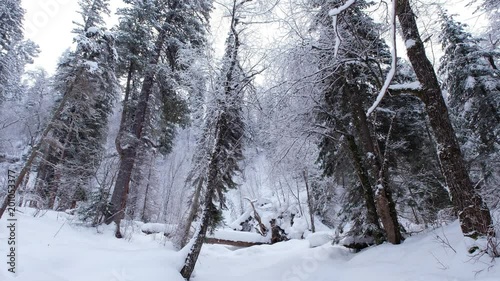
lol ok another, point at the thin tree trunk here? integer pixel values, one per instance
(474, 215)
(309, 201)
(193, 210)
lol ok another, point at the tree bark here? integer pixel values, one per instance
(128, 150)
(386, 208)
(371, 210)
(474, 215)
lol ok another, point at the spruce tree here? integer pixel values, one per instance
(170, 28)
(351, 76)
(222, 142)
(472, 81)
(86, 77)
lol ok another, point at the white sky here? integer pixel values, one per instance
(49, 23)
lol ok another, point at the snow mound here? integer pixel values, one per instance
(54, 247)
(319, 238)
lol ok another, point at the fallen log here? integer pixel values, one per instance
(211, 240)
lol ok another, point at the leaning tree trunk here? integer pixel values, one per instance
(474, 215)
(208, 206)
(193, 210)
(199, 238)
(386, 208)
(36, 149)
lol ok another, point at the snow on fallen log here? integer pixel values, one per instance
(239, 236)
(152, 228)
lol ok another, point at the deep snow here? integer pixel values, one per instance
(54, 248)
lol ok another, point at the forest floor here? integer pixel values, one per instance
(52, 247)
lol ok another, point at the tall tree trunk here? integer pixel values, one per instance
(127, 147)
(474, 215)
(385, 205)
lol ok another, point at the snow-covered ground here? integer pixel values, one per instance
(53, 248)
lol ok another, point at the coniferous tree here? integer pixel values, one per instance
(170, 28)
(222, 141)
(11, 24)
(15, 52)
(474, 215)
(473, 84)
(86, 77)
(351, 76)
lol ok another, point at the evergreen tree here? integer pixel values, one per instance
(473, 84)
(351, 77)
(11, 24)
(86, 77)
(15, 52)
(170, 29)
(222, 142)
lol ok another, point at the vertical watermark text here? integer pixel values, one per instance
(11, 223)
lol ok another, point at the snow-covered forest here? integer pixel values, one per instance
(253, 139)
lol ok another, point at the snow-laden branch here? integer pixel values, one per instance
(392, 71)
(412, 87)
(334, 13)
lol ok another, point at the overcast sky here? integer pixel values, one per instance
(49, 23)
